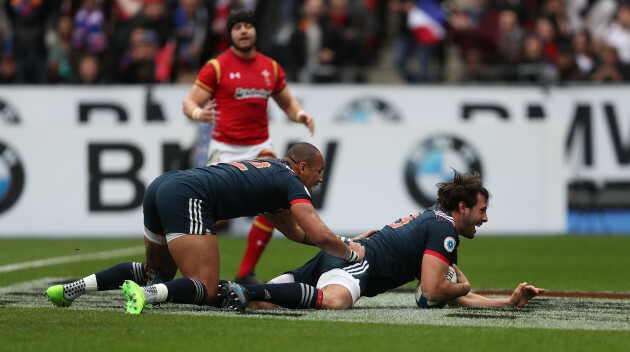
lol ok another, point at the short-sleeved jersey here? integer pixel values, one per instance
(248, 188)
(242, 88)
(393, 255)
(395, 252)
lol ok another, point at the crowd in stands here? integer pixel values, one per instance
(318, 41)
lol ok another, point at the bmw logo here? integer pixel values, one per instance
(432, 161)
(11, 177)
(368, 109)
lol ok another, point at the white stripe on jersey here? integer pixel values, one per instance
(358, 268)
(194, 215)
(443, 215)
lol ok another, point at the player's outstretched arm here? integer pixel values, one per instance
(521, 295)
(308, 219)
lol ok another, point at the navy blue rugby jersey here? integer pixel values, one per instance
(395, 252)
(249, 187)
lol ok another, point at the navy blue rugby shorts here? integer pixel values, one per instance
(176, 203)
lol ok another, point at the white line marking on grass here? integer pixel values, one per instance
(389, 308)
(73, 258)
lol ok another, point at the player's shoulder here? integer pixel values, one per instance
(441, 215)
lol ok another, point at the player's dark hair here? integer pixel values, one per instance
(303, 151)
(463, 187)
(239, 16)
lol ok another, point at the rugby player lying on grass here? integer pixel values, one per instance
(421, 246)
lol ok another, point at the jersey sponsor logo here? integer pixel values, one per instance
(11, 177)
(430, 162)
(248, 93)
(449, 244)
(235, 75)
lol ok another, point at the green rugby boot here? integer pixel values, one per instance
(135, 297)
(55, 296)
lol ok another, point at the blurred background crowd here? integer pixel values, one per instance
(318, 41)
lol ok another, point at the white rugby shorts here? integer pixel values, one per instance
(220, 152)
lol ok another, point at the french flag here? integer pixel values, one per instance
(427, 22)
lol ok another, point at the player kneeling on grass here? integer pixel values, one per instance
(180, 208)
(422, 246)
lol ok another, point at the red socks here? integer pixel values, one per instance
(257, 240)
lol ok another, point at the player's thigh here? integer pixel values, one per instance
(197, 257)
(341, 290)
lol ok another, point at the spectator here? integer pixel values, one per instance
(137, 66)
(314, 46)
(8, 69)
(533, 67)
(617, 33)
(191, 22)
(356, 26)
(610, 69)
(567, 67)
(89, 70)
(407, 46)
(123, 21)
(583, 52)
(156, 16)
(546, 32)
(277, 21)
(59, 67)
(556, 12)
(474, 31)
(29, 21)
(88, 34)
(509, 39)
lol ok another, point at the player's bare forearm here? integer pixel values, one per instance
(293, 109)
(321, 235)
(285, 223)
(193, 102)
(521, 295)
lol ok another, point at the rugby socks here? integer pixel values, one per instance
(183, 290)
(108, 279)
(294, 295)
(257, 240)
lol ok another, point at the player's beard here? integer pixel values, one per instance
(244, 49)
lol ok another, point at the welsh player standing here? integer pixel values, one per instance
(231, 92)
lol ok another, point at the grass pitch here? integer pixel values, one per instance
(386, 322)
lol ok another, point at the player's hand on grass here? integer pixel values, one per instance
(524, 293)
(367, 234)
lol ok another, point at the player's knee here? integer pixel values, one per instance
(336, 301)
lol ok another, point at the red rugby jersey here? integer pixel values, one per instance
(242, 88)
